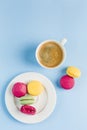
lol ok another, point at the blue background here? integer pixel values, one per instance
(23, 25)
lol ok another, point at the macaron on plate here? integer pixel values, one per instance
(30, 97)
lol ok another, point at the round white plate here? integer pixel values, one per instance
(45, 103)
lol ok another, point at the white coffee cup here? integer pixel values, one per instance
(50, 55)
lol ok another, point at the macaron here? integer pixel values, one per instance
(34, 88)
(73, 72)
(27, 99)
(67, 82)
(27, 109)
(19, 89)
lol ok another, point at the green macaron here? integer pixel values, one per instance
(28, 99)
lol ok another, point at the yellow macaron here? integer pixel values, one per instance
(73, 72)
(34, 88)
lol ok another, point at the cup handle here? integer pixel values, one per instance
(63, 41)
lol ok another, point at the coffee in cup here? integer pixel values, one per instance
(50, 53)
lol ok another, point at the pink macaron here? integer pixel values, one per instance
(19, 89)
(67, 82)
(27, 109)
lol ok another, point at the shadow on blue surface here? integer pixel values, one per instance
(62, 72)
(28, 54)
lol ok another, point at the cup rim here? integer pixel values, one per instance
(62, 47)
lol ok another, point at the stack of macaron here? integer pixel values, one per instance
(26, 93)
(67, 81)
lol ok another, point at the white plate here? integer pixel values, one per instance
(45, 103)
